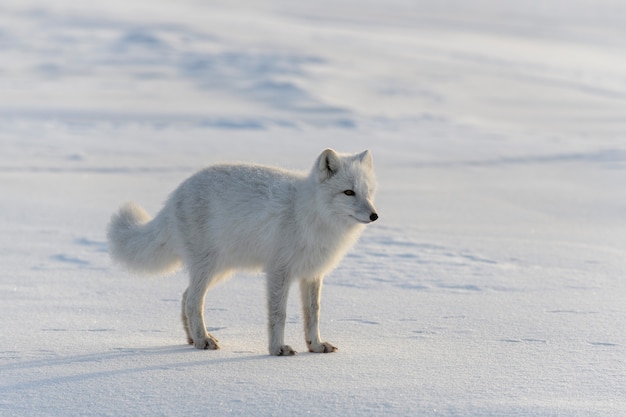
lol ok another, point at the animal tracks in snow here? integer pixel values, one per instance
(603, 344)
(422, 266)
(68, 259)
(359, 321)
(86, 254)
(523, 340)
(96, 245)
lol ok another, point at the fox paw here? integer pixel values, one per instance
(323, 347)
(206, 343)
(284, 350)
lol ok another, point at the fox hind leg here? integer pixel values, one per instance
(185, 320)
(201, 280)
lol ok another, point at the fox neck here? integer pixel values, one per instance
(322, 238)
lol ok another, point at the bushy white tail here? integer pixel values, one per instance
(140, 243)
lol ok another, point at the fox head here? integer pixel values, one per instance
(347, 185)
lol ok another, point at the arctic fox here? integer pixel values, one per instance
(293, 226)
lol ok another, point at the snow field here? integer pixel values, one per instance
(491, 285)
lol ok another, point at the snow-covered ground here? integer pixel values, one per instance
(492, 285)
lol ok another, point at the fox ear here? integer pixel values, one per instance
(366, 159)
(328, 163)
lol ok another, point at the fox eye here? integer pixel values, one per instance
(349, 192)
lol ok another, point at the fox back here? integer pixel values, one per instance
(259, 217)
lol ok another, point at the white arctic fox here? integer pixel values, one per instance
(291, 225)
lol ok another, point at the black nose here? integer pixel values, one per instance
(373, 216)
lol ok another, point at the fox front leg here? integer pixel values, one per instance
(311, 291)
(277, 292)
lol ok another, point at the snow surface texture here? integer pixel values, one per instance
(493, 283)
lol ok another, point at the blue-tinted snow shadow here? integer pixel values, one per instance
(606, 157)
(90, 365)
(137, 53)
